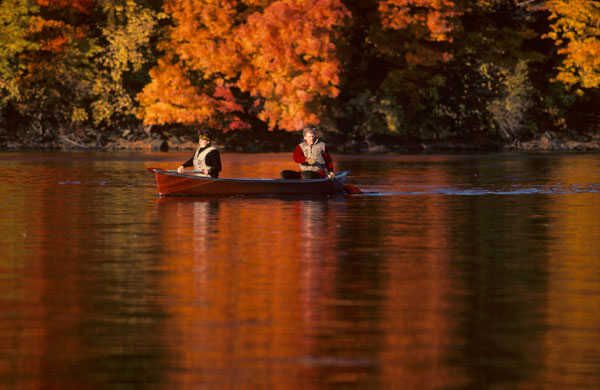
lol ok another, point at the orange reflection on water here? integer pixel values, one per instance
(37, 325)
(113, 287)
(244, 298)
(419, 332)
(256, 294)
(574, 273)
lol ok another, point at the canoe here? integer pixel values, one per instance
(172, 183)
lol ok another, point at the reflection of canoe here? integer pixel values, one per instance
(172, 183)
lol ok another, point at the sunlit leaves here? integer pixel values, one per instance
(56, 79)
(173, 98)
(15, 24)
(74, 62)
(428, 19)
(128, 30)
(414, 34)
(280, 53)
(576, 30)
(231, 64)
(293, 59)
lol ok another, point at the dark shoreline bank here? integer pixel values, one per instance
(286, 142)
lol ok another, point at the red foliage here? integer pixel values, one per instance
(84, 6)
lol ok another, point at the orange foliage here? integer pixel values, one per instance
(576, 30)
(281, 53)
(56, 35)
(426, 22)
(293, 64)
(173, 98)
(429, 19)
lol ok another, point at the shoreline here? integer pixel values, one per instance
(548, 141)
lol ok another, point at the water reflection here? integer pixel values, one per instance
(461, 272)
(270, 314)
(574, 275)
(503, 288)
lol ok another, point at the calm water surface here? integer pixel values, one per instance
(450, 272)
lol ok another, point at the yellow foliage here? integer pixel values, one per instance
(79, 115)
(576, 31)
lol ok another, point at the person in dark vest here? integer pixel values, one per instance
(206, 159)
(312, 156)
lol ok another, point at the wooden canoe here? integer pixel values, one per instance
(172, 183)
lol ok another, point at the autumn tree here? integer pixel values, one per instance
(73, 64)
(413, 69)
(123, 59)
(396, 48)
(53, 79)
(571, 100)
(575, 28)
(230, 62)
(15, 24)
(425, 21)
(453, 69)
(498, 48)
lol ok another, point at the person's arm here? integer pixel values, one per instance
(328, 161)
(299, 155)
(188, 163)
(213, 160)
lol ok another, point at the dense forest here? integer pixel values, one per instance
(374, 75)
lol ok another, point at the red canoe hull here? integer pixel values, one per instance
(173, 183)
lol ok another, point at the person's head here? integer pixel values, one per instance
(310, 134)
(204, 137)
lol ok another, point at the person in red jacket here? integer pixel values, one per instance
(315, 162)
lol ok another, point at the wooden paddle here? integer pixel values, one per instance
(151, 169)
(348, 188)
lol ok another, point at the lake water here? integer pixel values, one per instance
(449, 272)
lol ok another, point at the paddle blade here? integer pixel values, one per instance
(350, 189)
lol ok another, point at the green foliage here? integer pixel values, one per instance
(458, 108)
(476, 85)
(374, 114)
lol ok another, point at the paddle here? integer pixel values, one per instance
(151, 169)
(348, 188)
